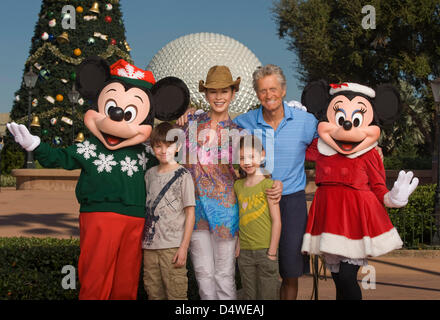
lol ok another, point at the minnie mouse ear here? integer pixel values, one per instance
(315, 97)
(387, 104)
(171, 98)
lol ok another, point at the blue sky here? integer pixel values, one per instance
(150, 25)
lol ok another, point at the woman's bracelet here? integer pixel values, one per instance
(270, 255)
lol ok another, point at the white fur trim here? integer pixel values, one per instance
(354, 249)
(355, 87)
(327, 150)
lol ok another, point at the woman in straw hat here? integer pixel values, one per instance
(215, 233)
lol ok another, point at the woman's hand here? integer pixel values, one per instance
(275, 192)
(184, 119)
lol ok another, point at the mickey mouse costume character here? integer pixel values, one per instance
(347, 221)
(111, 187)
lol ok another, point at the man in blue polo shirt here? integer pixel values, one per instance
(286, 133)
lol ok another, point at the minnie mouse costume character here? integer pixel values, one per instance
(113, 162)
(347, 221)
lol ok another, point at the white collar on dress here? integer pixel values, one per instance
(326, 150)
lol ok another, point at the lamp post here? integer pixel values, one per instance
(435, 86)
(30, 79)
(73, 96)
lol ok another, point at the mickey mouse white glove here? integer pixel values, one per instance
(23, 137)
(402, 189)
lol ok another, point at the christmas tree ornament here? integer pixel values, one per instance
(37, 66)
(67, 120)
(44, 74)
(91, 41)
(100, 36)
(57, 140)
(59, 97)
(63, 38)
(64, 80)
(88, 18)
(79, 9)
(95, 8)
(17, 98)
(108, 7)
(113, 42)
(73, 76)
(35, 102)
(108, 19)
(35, 122)
(79, 137)
(81, 101)
(62, 129)
(127, 47)
(52, 23)
(77, 52)
(45, 36)
(44, 132)
(53, 121)
(51, 37)
(50, 99)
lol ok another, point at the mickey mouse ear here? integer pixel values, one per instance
(91, 74)
(171, 98)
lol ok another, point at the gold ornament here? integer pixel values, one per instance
(35, 122)
(77, 52)
(59, 97)
(63, 38)
(127, 47)
(79, 137)
(95, 8)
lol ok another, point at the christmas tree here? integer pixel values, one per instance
(66, 33)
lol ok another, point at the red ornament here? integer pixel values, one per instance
(113, 42)
(108, 19)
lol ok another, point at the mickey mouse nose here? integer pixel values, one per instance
(347, 125)
(116, 113)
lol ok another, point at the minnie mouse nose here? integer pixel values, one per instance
(116, 113)
(347, 125)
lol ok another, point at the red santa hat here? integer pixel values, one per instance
(128, 73)
(354, 87)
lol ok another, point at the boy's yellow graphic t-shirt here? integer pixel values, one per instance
(255, 221)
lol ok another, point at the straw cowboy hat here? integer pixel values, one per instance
(219, 77)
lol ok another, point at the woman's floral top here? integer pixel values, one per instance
(209, 157)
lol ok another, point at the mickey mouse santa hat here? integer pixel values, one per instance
(128, 73)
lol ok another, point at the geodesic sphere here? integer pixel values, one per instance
(190, 57)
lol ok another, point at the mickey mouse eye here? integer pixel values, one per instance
(357, 119)
(109, 104)
(340, 117)
(130, 114)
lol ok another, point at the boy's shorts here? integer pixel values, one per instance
(162, 280)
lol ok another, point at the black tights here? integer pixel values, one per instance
(347, 287)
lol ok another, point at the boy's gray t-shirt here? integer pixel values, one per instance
(165, 228)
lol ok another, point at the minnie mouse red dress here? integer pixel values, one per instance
(347, 216)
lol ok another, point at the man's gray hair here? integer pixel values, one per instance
(268, 70)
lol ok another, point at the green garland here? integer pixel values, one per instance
(110, 51)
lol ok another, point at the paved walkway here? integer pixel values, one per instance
(401, 275)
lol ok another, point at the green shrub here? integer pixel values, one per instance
(7, 181)
(30, 269)
(415, 222)
(11, 158)
(397, 163)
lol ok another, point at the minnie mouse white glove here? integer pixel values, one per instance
(23, 137)
(402, 189)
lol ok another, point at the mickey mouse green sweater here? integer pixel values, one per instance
(110, 180)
